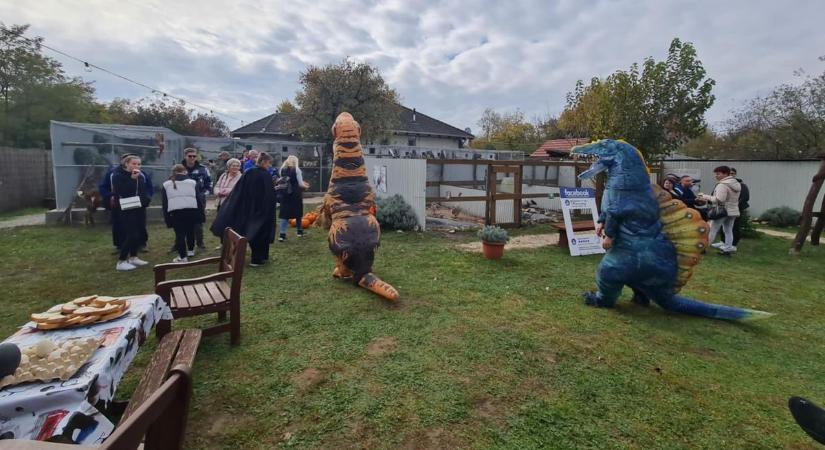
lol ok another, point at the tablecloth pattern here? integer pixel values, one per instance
(69, 411)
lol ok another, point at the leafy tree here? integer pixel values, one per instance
(286, 107)
(164, 113)
(507, 131)
(787, 123)
(357, 88)
(34, 90)
(657, 107)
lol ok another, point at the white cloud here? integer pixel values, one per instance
(448, 59)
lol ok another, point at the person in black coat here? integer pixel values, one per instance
(200, 174)
(250, 210)
(290, 195)
(128, 181)
(744, 198)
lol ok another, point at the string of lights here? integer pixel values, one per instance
(89, 66)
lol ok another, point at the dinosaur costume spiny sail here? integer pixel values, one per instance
(354, 232)
(657, 241)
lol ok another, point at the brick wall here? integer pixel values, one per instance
(25, 178)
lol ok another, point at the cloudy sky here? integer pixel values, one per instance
(448, 59)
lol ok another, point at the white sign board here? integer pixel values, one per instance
(379, 178)
(580, 199)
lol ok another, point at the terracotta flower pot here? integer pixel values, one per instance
(492, 250)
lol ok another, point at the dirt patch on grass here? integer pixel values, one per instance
(381, 346)
(488, 408)
(223, 423)
(432, 438)
(308, 379)
(517, 243)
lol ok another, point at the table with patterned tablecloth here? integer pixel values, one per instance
(70, 411)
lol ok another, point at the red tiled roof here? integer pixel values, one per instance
(558, 147)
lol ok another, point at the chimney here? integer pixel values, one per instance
(413, 114)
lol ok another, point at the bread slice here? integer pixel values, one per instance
(49, 318)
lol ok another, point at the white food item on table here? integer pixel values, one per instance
(44, 347)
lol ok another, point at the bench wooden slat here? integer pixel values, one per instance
(188, 348)
(155, 372)
(215, 292)
(224, 287)
(192, 296)
(178, 298)
(204, 295)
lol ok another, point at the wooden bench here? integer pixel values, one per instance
(155, 417)
(209, 294)
(584, 225)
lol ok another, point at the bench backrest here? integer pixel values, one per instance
(160, 402)
(161, 418)
(233, 255)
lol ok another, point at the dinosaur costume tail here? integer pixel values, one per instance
(696, 308)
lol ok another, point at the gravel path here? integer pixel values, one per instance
(22, 221)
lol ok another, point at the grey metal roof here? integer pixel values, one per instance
(409, 122)
(121, 131)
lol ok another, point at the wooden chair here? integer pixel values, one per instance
(209, 294)
(155, 417)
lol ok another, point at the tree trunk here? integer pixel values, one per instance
(820, 224)
(807, 211)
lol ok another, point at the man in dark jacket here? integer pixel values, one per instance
(200, 174)
(744, 198)
(684, 191)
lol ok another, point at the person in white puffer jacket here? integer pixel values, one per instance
(181, 211)
(726, 194)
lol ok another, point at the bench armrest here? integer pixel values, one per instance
(160, 269)
(164, 288)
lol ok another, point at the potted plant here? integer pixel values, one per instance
(493, 239)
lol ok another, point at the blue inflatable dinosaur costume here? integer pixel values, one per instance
(657, 241)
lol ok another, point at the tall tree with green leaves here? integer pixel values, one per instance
(656, 107)
(357, 88)
(788, 123)
(34, 90)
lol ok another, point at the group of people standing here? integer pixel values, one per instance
(245, 194)
(723, 208)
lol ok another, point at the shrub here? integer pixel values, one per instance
(493, 234)
(782, 216)
(394, 213)
(746, 228)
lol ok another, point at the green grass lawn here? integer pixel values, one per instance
(476, 354)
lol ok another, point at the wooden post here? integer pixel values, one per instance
(490, 204)
(807, 211)
(820, 224)
(517, 191)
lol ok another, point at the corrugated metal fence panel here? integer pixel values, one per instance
(771, 183)
(406, 177)
(25, 177)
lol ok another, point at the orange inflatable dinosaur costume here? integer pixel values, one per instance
(354, 232)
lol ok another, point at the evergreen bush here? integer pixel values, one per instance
(746, 229)
(493, 234)
(782, 216)
(394, 213)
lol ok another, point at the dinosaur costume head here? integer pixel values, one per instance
(347, 152)
(624, 164)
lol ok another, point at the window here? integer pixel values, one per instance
(411, 141)
(284, 149)
(372, 150)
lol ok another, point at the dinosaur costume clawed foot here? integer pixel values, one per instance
(349, 207)
(657, 241)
